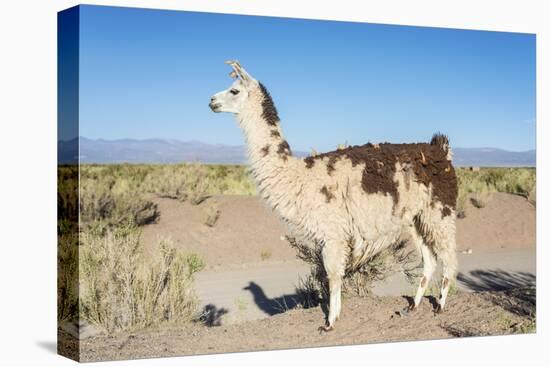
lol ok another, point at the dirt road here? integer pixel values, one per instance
(262, 291)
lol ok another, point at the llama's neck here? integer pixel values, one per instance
(272, 164)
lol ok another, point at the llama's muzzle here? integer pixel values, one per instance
(213, 105)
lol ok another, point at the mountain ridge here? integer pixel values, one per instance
(158, 150)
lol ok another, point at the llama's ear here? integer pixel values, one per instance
(238, 71)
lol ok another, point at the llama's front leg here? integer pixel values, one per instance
(335, 304)
(334, 261)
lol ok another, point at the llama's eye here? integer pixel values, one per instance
(234, 92)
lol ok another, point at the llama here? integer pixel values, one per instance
(355, 201)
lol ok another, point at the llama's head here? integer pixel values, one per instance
(235, 98)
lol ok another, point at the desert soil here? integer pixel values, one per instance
(251, 271)
(364, 320)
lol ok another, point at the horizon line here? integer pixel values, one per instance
(298, 150)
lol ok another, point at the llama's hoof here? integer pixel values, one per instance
(325, 329)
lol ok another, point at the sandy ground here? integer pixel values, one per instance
(247, 233)
(245, 230)
(251, 273)
(468, 314)
(508, 221)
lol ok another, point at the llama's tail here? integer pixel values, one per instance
(442, 141)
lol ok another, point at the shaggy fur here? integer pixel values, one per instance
(269, 113)
(356, 201)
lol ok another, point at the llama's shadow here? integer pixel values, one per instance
(496, 280)
(513, 291)
(273, 306)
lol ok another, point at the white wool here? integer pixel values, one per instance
(353, 225)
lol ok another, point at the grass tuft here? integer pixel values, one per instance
(265, 255)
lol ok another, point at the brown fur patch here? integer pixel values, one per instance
(310, 162)
(284, 150)
(331, 162)
(428, 163)
(445, 212)
(265, 150)
(423, 282)
(328, 195)
(275, 134)
(269, 113)
(445, 282)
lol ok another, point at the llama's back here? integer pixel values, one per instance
(385, 165)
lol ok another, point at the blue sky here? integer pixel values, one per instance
(150, 74)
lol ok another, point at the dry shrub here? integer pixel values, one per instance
(532, 197)
(196, 182)
(67, 276)
(116, 202)
(67, 238)
(182, 182)
(461, 201)
(120, 290)
(120, 192)
(480, 199)
(67, 192)
(357, 281)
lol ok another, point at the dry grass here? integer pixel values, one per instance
(67, 277)
(477, 186)
(67, 237)
(120, 194)
(114, 199)
(119, 290)
(178, 181)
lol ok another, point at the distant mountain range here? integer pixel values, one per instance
(176, 151)
(493, 157)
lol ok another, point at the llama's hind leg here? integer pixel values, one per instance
(447, 255)
(334, 261)
(429, 265)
